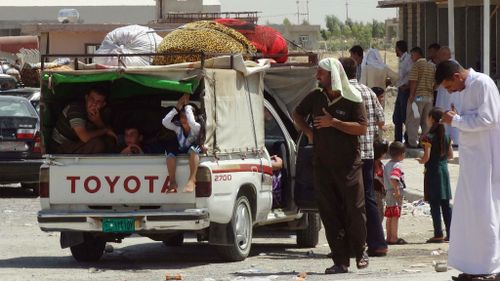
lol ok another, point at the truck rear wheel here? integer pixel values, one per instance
(241, 225)
(309, 237)
(175, 240)
(90, 250)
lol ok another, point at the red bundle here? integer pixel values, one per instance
(267, 40)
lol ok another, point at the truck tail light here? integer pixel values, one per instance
(44, 182)
(37, 146)
(26, 134)
(203, 182)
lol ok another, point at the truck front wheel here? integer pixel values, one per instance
(241, 226)
(308, 237)
(90, 250)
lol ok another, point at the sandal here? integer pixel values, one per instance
(435, 240)
(461, 277)
(363, 261)
(380, 252)
(490, 277)
(400, 241)
(470, 277)
(336, 269)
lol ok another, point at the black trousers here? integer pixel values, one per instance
(436, 208)
(341, 202)
(399, 115)
(375, 233)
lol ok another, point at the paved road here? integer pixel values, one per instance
(30, 254)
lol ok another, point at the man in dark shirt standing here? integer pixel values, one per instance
(80, 128)
(339, 118)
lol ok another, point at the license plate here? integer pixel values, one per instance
(13, 146)
(118, 225)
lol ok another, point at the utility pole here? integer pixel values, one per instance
(298, 12)
(307, 6)
(346, 10)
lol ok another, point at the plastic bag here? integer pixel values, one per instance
(414, 108)
(132, 39)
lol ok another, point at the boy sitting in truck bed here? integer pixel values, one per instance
(187, 132)
(133, 139)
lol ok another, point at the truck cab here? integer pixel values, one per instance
(98, 198)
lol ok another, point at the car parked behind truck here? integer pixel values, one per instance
(94, 199)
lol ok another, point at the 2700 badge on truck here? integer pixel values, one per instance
(97, 198)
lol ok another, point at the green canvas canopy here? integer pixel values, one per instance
(150, 81)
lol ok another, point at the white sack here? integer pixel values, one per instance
(131, 39)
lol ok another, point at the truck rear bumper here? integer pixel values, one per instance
(145, 221)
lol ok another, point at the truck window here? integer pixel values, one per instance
(273, 134)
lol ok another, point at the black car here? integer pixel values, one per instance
(7, 82)
(20, 155)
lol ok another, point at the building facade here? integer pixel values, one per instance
(13, 14)
(474, 39)
(304, 36)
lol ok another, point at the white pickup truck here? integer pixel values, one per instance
(94, 199)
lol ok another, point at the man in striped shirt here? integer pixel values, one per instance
(375, 117)
(421, 93)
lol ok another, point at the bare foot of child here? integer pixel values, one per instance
(172, 187)
(190, 185)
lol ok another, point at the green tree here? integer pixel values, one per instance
(287, 22)
(378, 29)
(325, 34)
(334, 26)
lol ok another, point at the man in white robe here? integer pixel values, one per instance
(475, 226)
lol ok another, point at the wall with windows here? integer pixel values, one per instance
(306, 36)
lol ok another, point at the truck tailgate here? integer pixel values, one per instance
(116, 180)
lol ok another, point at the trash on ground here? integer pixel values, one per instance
(418, 265)
(418, 208)
(250, 271)
(173, 276)
(265, 278)
(412, 270)
(440, 266)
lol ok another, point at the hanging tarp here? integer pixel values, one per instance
(144, 80)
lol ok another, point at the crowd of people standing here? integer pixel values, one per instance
(438, 103)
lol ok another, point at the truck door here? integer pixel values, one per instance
(304, 184)
(280, 146)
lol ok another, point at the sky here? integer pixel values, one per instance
(275, 11)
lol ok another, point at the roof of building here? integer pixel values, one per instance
(76, 3)
(38, 28)
(397, 3)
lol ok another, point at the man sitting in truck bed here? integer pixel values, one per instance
(80, 128)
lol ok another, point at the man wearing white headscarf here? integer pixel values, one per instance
(339, 118)
(475, 226)
(374, 71)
